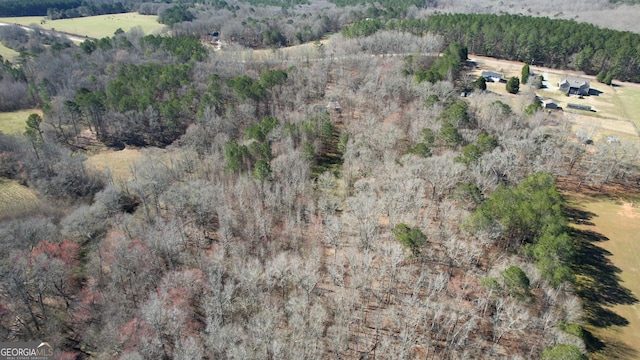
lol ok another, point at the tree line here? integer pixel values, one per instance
(85, 9)
(538, 41)
(60, 9)
(35, 7)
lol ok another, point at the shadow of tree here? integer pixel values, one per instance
(578, 216)
(608, 348)
(598, 281)
(598, 285)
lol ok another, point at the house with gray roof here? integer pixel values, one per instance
(492, 76)
(574, 86)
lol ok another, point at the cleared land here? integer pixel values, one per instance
(118, 163)
(617, 109)
(8, 54)
(93, 26)
(16, 199)
(609, 274)
(14, 122)
(295, 52)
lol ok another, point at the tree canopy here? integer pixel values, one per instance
(529, 218)
(537, 40)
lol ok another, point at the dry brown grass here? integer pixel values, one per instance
(118, 163)
(16, 199)
(615, 223)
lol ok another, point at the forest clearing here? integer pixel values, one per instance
(16, 199)
(13, 122)
(7, 53)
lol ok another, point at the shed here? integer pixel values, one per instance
(548, 104)
(574, 86)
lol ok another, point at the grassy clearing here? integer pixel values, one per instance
(14, 122)
(118, 163)
(296, 52)
(609, 274)
(93, 26)
(16, 199)
(8, 54)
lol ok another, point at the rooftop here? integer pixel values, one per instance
(575, 82)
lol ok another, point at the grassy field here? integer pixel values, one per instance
(118, 162)
(8, 54)
(295, 52)
(16, 199)
(609, 274)
(93, 26)
(14, 122)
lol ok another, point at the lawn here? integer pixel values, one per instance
(609, 274)
(8, 54)
(16, 199)
(14, 122)
(628, 98)
(93, 26)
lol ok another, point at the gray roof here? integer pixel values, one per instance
(491, 74)
(574, 82)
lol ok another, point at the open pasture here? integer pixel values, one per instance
(93, 26)
(608, 273)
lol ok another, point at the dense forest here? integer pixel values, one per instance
(562, 44)
(35, 7)
(60, 9)
(319, 203)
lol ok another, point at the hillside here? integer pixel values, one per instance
(332, 200)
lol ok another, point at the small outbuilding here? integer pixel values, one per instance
(548, 104)
(574, 86)
(491, 76)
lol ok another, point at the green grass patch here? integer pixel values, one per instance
(607, 274)
(14, 122)
(8, 54)
(16, 199)
(93, 26)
